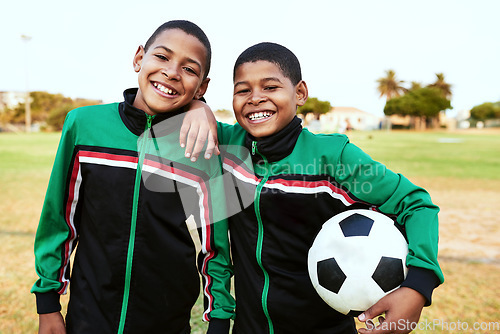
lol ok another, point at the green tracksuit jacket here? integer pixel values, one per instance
(120, 192)
(287, 186)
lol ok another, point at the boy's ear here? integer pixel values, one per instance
(139, 55)
(202, 89)
(301, 93)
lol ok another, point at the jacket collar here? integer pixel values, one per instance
(136, 119)
(278, 145)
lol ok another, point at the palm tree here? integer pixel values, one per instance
(445, 89)
(415, 85)
(389, 86)
(442, 85)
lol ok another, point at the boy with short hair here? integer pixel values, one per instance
(299, 180)
(117, 190)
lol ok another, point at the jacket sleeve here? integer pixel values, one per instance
(55, 236)
(214, 262)
(372, 182)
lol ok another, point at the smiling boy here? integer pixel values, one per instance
(168, 88)
(255, 117)
(135, 268)
(298, 181)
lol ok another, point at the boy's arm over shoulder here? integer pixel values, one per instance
(199, 126)
(394, 194)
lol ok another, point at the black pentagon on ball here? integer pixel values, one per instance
(356, 225)
(330, 276)
(389, 273)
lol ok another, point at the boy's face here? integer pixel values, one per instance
(170, 72)
(265, 100)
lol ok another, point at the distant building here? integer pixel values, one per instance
(399, 121)
(420, 123)
(340, 119)
(463, 119)
(10, 100)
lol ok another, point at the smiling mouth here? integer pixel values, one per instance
(164, 89)
(260, 115)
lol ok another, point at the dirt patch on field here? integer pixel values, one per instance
(469, 220)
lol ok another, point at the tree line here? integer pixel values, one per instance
(486, 111)
(46, 108)
(426, 102)
(422, 103)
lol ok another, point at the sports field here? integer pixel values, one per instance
(461, 170)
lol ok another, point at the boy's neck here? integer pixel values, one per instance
(278, 145)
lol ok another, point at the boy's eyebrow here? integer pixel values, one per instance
(262, 80)
(271, 79)
(239, 83)
(191, 60)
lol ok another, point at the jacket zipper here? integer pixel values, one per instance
(260, 236)
(133, 223)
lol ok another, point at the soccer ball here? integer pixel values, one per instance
(357, 258)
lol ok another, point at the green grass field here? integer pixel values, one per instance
(457, 168)
(435, 154)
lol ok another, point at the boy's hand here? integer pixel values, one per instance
(51, 323)
(402, 309)
(199, 125)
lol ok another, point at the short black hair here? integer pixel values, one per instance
(189, 28)
(273, 53)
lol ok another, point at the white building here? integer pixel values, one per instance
(11, 99)
(340, 119)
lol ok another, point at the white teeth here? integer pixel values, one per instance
(164, 89)
(260, 115)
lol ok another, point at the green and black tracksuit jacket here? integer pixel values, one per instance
(296, 181)
(120, 192)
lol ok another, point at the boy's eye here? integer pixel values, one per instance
(191, 70)
(270, 87)
(162, 57)
(242, 91)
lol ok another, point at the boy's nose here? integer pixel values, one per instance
(257, 98)
(171, 73)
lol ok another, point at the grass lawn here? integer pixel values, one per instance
(461, 170)
(458, 155)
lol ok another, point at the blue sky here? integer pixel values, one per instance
(85, 48)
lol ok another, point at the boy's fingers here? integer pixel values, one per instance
(216, 141)
(183, 133)
(370, 326)
(377, 309)
(368, 315)
(191, 140)
(198, 147)
(372, 329)
(210, 148)
(200, 141)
